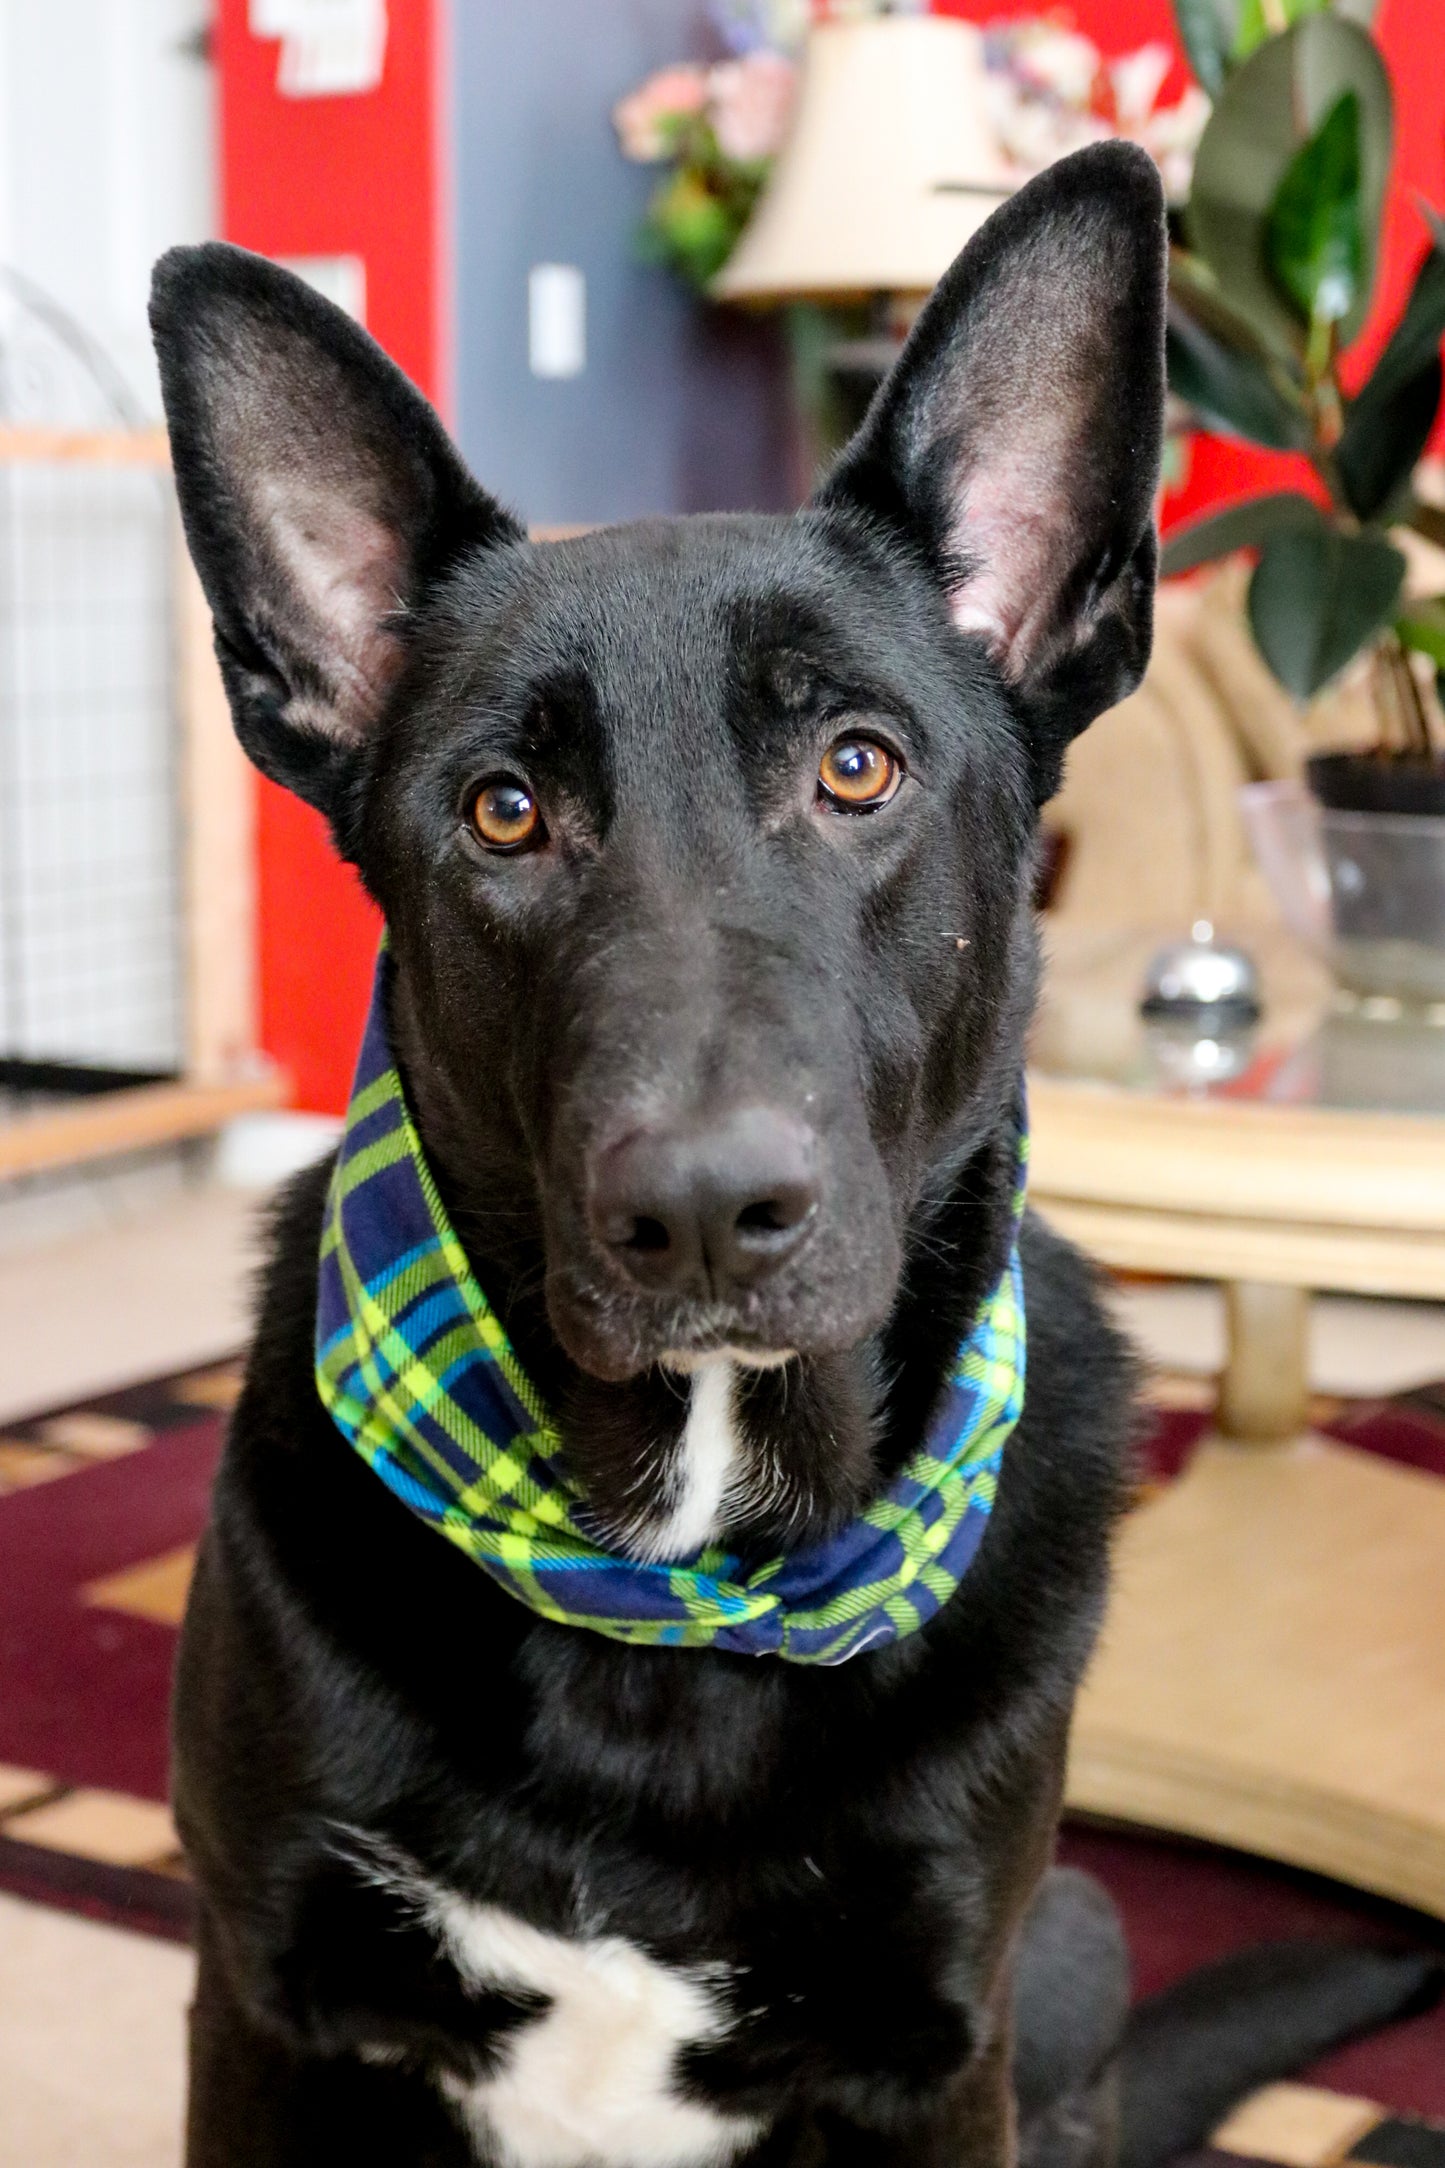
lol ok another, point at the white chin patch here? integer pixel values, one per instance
(706, 1473)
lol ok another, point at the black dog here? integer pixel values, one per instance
(705, 849)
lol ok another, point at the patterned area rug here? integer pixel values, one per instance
(100, 1509)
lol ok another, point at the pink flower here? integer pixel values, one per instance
(641, 118)
(750, 103)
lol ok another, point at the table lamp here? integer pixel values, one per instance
(890, 165)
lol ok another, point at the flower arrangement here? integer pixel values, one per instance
(1052, 91)
(718, 127)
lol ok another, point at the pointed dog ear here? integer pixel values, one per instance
(1016, 442)
(320, 496)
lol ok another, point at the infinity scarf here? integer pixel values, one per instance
(416, 1371)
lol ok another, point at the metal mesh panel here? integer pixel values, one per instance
(90, 905)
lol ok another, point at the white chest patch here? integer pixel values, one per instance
(590, 2083)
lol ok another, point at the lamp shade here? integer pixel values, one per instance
(890, 165)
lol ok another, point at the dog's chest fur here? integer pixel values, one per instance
(617, 2056)
(592, 2077)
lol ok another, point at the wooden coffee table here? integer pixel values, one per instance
(1272, 1670)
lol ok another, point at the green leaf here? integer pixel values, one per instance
(1423, 628)
(1317, 596)
(1415, 340)
(1241, 527)
(1208, 30)
(689, 227)
(1193, 283)
(1312, 236)
(1269, 107)
(1218, 34)
(1231, 392)
(1388, 423)
(1383, 440)
(1236, 382)
(1254, 28)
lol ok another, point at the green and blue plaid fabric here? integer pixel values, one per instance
(417, 1372)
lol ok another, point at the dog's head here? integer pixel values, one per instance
(704, 845)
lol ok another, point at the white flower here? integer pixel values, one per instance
(1062, 63)
(1138, 79)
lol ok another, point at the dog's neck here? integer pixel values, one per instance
(792, 1450)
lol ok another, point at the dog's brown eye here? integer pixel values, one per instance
(505, 815)
(857, 775)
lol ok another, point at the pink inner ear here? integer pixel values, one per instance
(1013, 524)
(348, 572)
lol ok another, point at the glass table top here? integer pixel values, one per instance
(1307, 1050)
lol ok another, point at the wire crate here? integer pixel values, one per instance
(126, 964)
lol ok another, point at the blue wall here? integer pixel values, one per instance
(680, 408)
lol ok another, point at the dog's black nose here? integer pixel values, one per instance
(711, 1209)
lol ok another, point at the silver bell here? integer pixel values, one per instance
(1204, 982)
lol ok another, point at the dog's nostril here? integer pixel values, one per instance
(646, 1234)
(776, 1215)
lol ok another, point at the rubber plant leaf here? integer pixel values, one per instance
(1313, 240)
(1269, 108)
(1240, 527)
(1236, 384)
(1388, 423)
(1255, 27)
(1230, 393)
(1317, 596)
(1382, 442)
(1209, 31)
(1415, 340)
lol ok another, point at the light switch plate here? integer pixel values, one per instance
(556, 320)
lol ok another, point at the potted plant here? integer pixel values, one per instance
(1270, 283)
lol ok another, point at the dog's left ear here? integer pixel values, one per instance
(1016, 442)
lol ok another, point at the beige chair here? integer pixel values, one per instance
(1149, 808)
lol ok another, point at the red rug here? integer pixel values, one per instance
(100, 1507)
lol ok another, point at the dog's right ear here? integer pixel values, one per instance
(320, 496)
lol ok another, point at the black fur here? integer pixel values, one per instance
(699, 931)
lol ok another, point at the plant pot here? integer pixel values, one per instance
(1382, 830)
(1378, 783)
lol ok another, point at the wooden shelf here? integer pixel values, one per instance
(130, 1121)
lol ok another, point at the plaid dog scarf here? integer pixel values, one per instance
(416, 1370)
